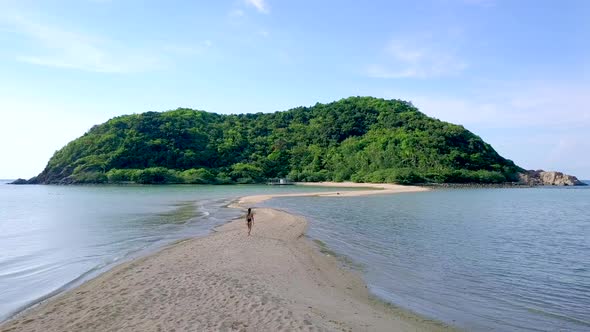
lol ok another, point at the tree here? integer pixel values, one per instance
(358, 139)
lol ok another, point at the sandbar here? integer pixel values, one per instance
(274, 280)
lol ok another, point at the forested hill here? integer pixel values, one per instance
(361, 139)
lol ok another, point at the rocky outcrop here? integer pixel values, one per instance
(19, 181)
(542, 178)
(32, 180)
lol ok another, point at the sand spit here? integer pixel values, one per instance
(371, 189)
(274, 280)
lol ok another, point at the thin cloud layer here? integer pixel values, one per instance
(403, 59)
(56, 47)
(537, 124)
(260, 5)
(525, 104)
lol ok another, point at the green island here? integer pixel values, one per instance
(360, 139)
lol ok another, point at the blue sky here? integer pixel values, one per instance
(514, 72)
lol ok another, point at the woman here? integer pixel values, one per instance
(249, 220)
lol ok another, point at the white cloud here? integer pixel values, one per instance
(405, 59)
(56, 47)
(260, 5)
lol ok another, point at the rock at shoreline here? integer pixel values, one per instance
(542, 178)
(32, 180)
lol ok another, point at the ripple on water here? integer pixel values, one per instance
(481, 259)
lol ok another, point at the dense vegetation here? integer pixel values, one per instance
(361, 139)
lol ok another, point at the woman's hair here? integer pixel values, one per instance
(249, 210)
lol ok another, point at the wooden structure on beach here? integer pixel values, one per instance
(279, 182)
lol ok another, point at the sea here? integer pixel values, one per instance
(480, 259)
(53, 238)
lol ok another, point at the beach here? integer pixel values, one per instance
(364, 189)
(274, 280)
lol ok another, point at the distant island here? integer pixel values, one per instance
(360, 139)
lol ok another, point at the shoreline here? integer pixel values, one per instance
(277, 279)
(370, 189)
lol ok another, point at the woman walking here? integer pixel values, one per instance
(249, 220)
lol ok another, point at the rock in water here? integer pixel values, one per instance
(542, 178)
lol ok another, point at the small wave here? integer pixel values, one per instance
(95, 270)
(30, 270)
(74, 282)
(559, 316)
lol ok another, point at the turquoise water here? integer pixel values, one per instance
(479, 259)
(55, 237)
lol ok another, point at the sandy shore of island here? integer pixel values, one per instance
(274, 280)
(370, 189)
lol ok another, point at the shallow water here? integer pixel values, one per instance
(54, 237)
(479, 259)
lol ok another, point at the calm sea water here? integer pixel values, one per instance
(479, 259)
(55, 237)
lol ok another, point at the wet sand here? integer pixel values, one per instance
(274, 280)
